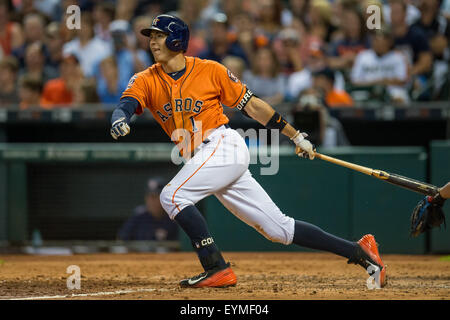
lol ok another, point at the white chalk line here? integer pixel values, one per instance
(94, 294)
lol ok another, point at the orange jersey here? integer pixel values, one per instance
(193, 103)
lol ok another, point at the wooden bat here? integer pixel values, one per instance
(395, 179)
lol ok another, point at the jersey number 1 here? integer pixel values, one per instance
(194, 128)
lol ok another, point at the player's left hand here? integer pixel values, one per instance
(427, 214)
(303, 148)
(119, 128)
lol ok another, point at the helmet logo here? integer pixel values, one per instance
(169, 26)
(155, 21)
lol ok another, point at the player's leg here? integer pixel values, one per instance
(248, 201)
(211, 169)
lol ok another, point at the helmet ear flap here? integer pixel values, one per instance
(174, 41)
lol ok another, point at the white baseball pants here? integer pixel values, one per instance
(220, 167)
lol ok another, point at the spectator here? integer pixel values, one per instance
(142, 56)
(432, 22)
(24, 7)
(236, 65)
(54, 43)
(61, 92)
(87, 93)
(344, 51)
(269, 18)
(34, 31)
(296, 9)
(323, 82)
(191, 12)
(382, 66)
(150, 221)
(209, 9)
(311, 114)
(11, 35)
(245, 33)
(265, 79)
(233, 8)
(320, 13)
(410, 40)
(9, 68)
(437, 30)
(47, 7)
(411, 12)
(124, 57)
(288, 47)
(108, 89)
(35, 63)
(30, 92)
(103, 14)
(125, 9)
(445, 8)
(302, 80)
(219, 45)
(88, 49)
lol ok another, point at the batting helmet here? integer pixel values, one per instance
(177, 31)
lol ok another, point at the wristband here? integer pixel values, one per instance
(276, 122)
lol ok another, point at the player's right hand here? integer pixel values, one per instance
(304, 148)
(119, 128)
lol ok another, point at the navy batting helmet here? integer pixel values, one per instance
(177, 31)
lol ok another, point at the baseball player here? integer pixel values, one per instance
(186, 96)
(428, 212)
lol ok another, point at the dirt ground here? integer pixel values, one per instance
(261, 276)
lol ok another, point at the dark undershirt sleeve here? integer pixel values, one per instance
(125, 109)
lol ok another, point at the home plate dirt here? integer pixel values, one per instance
(261, 276)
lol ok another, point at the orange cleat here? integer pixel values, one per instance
(214, 278)
(368, 256)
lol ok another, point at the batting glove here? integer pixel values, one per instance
(119, 128)
(304, 148)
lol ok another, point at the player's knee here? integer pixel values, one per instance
(166, 201)
(173, 201)
(279, 238)
(282, 232)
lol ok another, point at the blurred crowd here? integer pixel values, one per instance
(307, 52)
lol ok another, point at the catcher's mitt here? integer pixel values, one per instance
(427, 214)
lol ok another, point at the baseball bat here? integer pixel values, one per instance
(395, 179)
